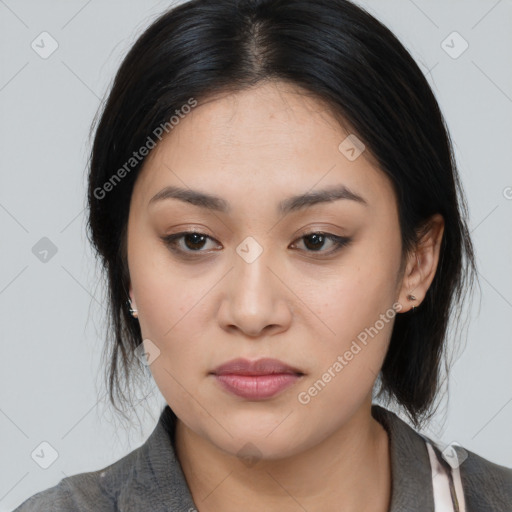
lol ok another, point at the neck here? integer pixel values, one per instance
(349, 471)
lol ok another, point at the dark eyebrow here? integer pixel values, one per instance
(326, 195)
(291, 204)
(187, 195)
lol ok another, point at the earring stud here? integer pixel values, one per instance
(412, 298)
(133, 312)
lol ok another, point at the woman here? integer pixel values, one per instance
(273, 195)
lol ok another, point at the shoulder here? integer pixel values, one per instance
(102, 490)
(149, 478)
(487, 486)
(90, 491)
(81, 492)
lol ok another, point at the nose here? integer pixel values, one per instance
(256, 299)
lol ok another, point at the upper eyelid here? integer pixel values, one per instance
(307, 233)
(336, 239)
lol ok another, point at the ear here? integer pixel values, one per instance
(421, 264)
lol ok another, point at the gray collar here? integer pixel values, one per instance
(411, 474)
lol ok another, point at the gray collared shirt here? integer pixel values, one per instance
(150, 478)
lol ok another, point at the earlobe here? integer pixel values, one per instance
(422, 264)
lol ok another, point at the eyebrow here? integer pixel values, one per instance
(291, 204)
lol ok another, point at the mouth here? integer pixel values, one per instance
(256, 380)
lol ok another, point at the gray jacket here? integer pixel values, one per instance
(150, 478)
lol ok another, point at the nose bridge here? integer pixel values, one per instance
(251, 274)
(254, 298)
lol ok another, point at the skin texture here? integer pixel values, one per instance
(303, 306)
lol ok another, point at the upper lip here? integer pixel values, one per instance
(263, 366)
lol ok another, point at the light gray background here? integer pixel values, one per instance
(51, 329)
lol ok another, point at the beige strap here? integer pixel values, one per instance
(447, 498)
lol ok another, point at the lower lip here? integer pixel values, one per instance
(257, 387)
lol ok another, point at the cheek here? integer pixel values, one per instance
(166, 294)
(170, 312)
(359, 315)
(356, 304)
(353, 298)
(174, 325)
(347, 363)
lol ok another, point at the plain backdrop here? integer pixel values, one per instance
(52, 311)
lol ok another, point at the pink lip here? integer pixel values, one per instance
(258, 379)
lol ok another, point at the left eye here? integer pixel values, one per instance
(193, 242)
(316, 240)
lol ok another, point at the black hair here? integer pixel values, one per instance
(340, 54)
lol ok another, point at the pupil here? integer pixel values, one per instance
(197, 240)
(318, 240)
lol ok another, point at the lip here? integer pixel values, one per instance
(264, 366)
(256, 380)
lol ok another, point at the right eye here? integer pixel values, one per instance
(187, 242)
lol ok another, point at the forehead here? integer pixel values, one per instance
(273, 138)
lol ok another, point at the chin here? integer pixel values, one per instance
(252, 442)
(251, 449)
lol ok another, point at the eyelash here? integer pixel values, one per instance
(172, 240)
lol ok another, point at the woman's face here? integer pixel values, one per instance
(254, 285)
